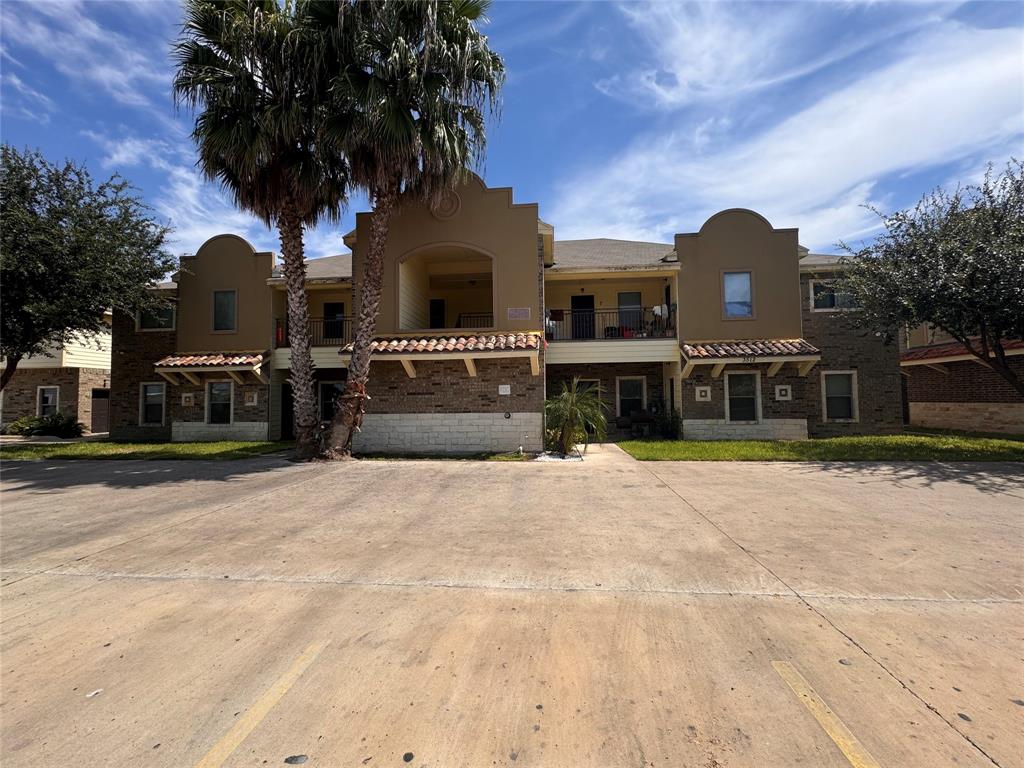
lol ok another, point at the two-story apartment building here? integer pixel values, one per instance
(73, 379)
(484, 313)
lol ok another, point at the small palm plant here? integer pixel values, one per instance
(575, 412)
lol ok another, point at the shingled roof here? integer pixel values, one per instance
(604, 253)
(935, 352)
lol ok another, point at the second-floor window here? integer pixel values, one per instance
(161, 319)
(826, 298)
(224, 310)
(737, 295)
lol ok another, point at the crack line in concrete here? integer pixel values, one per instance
(327, 580)
(825, 618)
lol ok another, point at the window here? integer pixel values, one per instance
(151, 403)
(839, 395)
(631, 395)
(737, 295)
(741, 397)
(825, 298)
(161, 319)
(47, 400)
(329, 391)
(218, 397)
(224, 309)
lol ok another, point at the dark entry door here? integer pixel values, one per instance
(437, 313)
(582, 317)
(100, 411)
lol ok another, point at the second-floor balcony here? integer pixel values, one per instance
(610, 324)
(323, 331)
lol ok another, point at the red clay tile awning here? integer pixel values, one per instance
(761, 349)
(478, 343)
(212, 360)
(190, 367)
(952, 351)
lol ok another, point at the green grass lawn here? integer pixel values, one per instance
(888, 448)
(108, 449)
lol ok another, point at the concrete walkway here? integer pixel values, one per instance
(601, 613)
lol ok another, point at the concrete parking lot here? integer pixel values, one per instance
(426, 613)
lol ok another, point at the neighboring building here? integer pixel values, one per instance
(948, 388)
(484, 313)
(73, 380)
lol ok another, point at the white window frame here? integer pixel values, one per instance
(208, 403)
(213, 310)
(855, 394)
(618, 399)
(810, 299)
(142, 403)
(721, 295)
(173, 326)
(757, 395)
(39, 399)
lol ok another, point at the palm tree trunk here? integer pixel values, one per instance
(9, 368)
(301, 374)
(349, 417)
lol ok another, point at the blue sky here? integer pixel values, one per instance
(625, 120)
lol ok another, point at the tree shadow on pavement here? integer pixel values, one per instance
(58, 475)
(987, 477)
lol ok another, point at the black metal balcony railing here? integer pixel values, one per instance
(610, 324)
(324, 332)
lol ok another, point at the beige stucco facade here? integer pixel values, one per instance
(738, 240)
(225, 263)
(482, 226)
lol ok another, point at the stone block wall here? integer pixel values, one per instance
(451, 433)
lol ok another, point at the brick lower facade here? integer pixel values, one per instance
(965, 395)
(606, 374)
(132, 357)
(445, 410)
(20, 397)
(845, 347)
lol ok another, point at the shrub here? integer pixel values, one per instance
(54, 425)
(572, 414)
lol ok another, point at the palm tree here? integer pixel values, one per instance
(252, 70)
(574, 413)
(414, 82)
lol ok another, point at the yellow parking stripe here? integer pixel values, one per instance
(252, 717)
(854, 751)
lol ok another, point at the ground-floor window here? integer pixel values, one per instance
(218, 398)
(151, 407)
(329, 391)
(741, 397)
(631, 395)
(839, 395)
(47, 400)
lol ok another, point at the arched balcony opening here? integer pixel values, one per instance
(447, 287)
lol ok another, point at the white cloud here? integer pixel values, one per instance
(28, 103)
(951, 94)
(86, 52)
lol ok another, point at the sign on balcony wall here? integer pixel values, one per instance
(518, 313)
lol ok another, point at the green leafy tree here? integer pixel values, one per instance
(254, 71)
(574, 412)
(954, 261)
(71, 250)
(414, 81)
